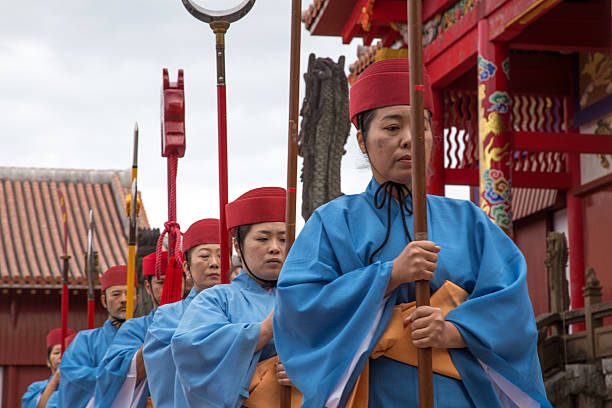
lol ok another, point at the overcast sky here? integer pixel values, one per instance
(75, 75)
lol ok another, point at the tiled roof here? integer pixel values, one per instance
(528, 201)
(31, 222)
(310, 15)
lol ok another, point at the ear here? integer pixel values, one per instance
(361, 142)
(103, 300)
(236, 247)
(147, 286)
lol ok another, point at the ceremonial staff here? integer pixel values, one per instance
(173, 147)
(65, 257)
(294, 93)
(219, 22)
(133, 214)
(90, 266)
(419, 200)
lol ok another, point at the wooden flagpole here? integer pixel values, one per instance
(419, 200)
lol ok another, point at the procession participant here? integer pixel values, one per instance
(121, 376)
(354, 261)
(201, 253)
(40, 391)
(227, 329)
(81, 359)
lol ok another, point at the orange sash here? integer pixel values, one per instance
(265, 391)
(396, 342)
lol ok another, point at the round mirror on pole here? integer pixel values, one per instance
(218, 10)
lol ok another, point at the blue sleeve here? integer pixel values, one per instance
(114, 367)
(33, 393)
(500, 299)
(327, 300)
(157, 356)
(77, 373)
(215, 358)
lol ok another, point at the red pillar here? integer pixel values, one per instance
(575, 225)
(435, 179)
(494, 134)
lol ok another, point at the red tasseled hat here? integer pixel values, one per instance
(148, 264)
(115, 275)
(205, 231)
(265, 204)
(55, 336)
(385, 83)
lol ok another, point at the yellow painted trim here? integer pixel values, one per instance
(532, 12)
(388, 53)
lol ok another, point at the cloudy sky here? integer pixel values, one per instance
(76, 75)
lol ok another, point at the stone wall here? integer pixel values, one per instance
(582, 386)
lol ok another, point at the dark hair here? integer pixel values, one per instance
(241, 233)
(364, 119)
(49, 350)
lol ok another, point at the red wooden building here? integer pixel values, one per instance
(525, 88)
(30, 265)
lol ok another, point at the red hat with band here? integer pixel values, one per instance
(115, 276)
(201, 232)
(264, 204)
(55, 336)
(148, 264)
(385, 83)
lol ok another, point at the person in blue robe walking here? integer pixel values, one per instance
(121, 378)
(39, 392)
(81, 358)
(344, 324)
(202, 260)
(227, 330)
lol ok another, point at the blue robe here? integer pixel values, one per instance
(329, 296)
(214, 345)
(33, 393)
(165, 388)
(79, 364)
(115, 365)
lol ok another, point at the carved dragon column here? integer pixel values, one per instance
(494, 132)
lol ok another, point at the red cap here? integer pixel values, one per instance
(55, 336)
(385, 83)
(205, 231)
(114, 276)
(148, 264)
(264, 204)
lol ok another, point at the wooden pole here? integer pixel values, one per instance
(220, 28)
(419, 200)
(129, 312)
(294, 94)
(65, 258)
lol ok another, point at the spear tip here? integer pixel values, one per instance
(135, 126)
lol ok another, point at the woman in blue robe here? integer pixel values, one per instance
(35, 393)
(201, 252)
(121, 378)
(80, 360)
(227, 329)
(355, 261)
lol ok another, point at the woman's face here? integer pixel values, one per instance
(203, 266)
(264, 249)
(55, 358)
(389, 144)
